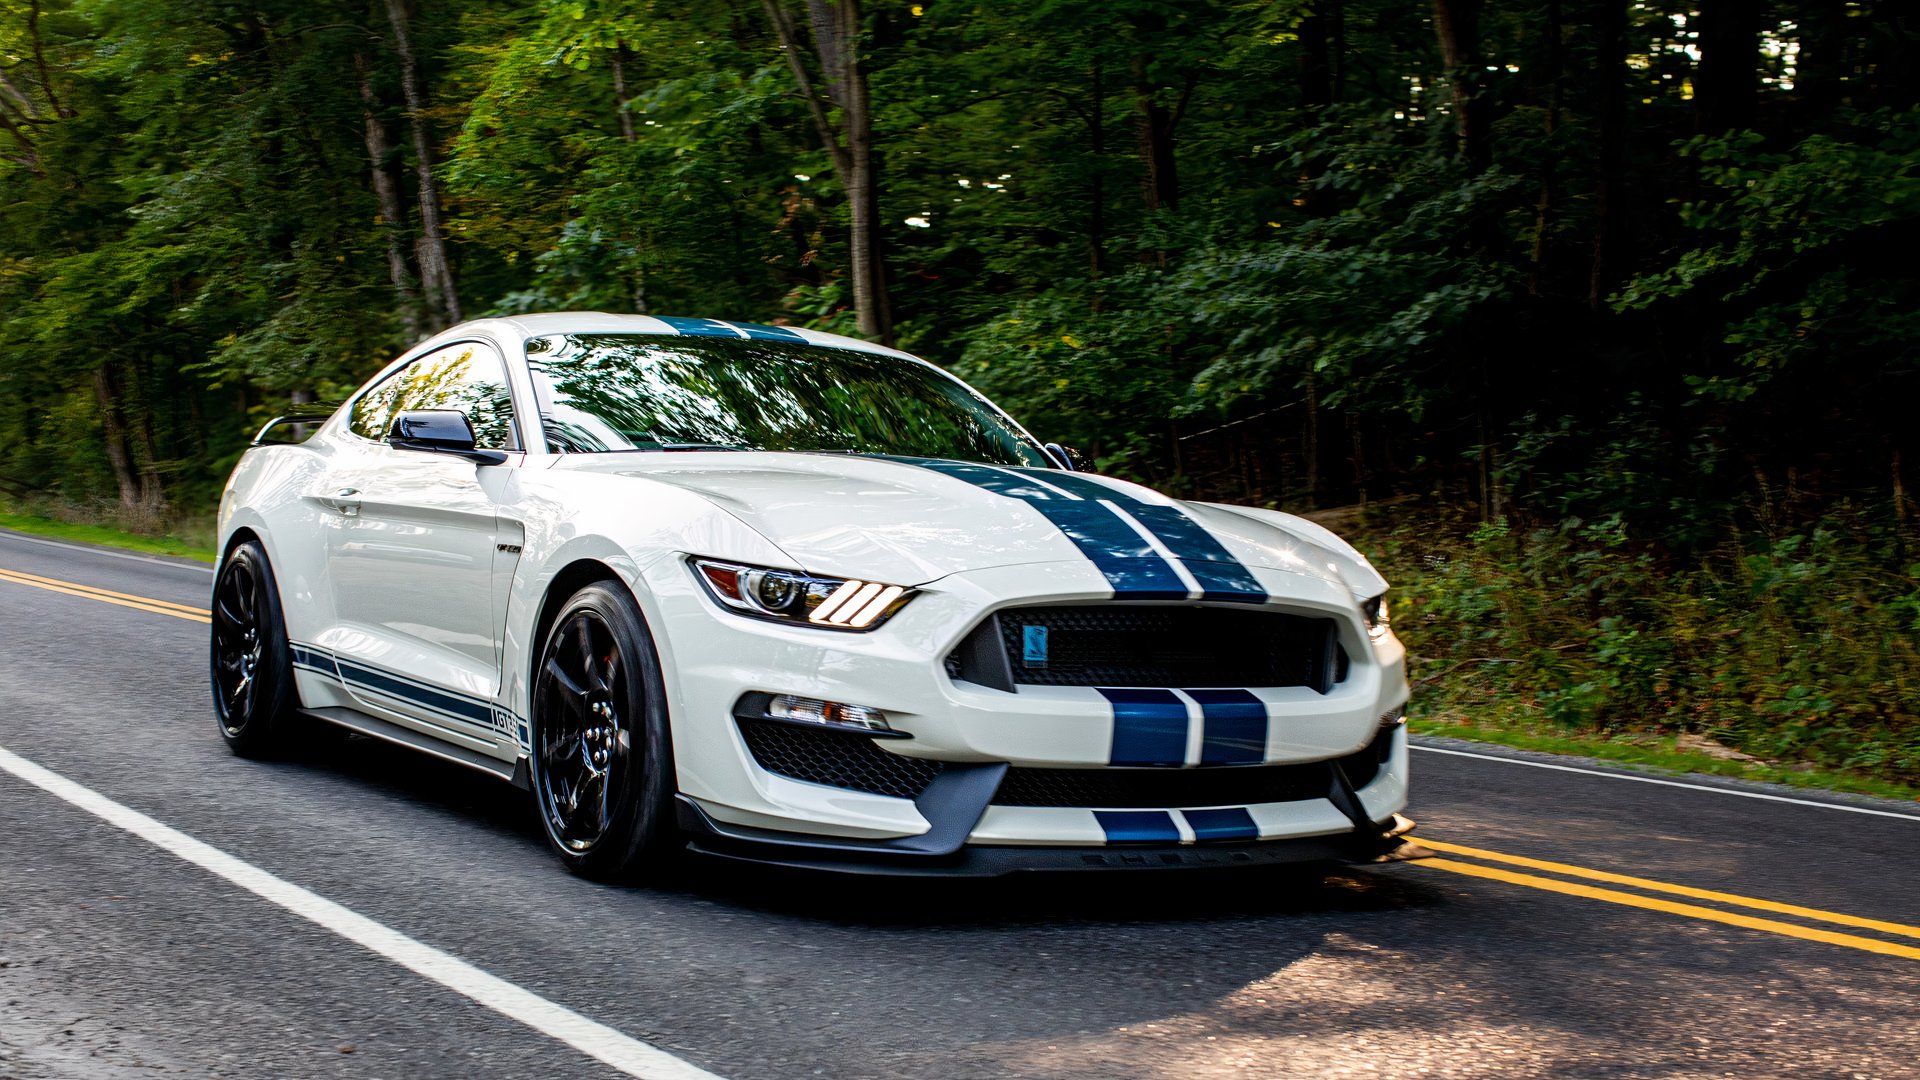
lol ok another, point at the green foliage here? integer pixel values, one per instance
(1792, 647)
(1236, 249)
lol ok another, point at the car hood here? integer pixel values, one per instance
(903, 521)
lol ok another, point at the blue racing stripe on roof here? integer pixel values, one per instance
(1149, 726)
(1138, 826)
(1129, 563)
(768, 333)
(699, 327)
(1228, 823)
(1233, 727)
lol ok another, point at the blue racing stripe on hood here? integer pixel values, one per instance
(1129, 563)
(1221, 576)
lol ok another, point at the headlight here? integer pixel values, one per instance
(1375, 612)
(791, 596)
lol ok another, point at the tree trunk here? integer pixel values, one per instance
(1726, 82)
(1156, 124)
(1543, 208)
(1610, 25)
(393, 214)
(836, 30)
(1097, 183)
(436, 272)
(113, 430)
(1319, 81)
(621, 54)
(1456, 23)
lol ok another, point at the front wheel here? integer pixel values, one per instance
(602, 756)
(253, 693)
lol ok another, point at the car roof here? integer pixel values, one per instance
(602, 322)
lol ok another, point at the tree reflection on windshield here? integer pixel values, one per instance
(608, 392)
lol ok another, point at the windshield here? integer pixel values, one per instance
(608, 392)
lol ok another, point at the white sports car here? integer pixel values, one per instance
(778, 595)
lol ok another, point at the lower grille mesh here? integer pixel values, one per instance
(835, 758)
(1162, 788)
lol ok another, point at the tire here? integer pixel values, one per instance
(254, 699)
(602, 755)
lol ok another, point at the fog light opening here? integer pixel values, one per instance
(1394, 717)
(827, 713)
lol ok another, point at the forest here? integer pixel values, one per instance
(1595, 322)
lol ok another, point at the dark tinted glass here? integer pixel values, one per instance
(465, 377)
(605, 392)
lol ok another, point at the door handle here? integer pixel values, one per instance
(346, 500)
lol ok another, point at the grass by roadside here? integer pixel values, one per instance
(103, 536)
(1660, 753)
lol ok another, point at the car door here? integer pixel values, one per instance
(413, 559)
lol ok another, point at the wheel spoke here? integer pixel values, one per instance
(568, 685)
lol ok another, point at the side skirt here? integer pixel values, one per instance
(353, 720)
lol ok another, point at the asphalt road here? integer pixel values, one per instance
(118, 958)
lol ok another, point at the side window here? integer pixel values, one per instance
(467, 377)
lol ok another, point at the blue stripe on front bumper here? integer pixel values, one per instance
(1235, 727)
(1230, 823)
(1149, 726)
(1138, 826)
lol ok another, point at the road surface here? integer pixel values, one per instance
(167, 909)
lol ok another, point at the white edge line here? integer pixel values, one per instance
(620, 1051)
(1670, 783)
(94, 549)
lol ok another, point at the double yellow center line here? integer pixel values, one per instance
(108, 596)
(1671, 907)
(1569, 880)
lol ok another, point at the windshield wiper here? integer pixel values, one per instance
(697, 446)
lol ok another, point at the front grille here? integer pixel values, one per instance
(836, 758)
(1151, 645)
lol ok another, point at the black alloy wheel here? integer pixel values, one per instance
(601, 761)
(252, 668)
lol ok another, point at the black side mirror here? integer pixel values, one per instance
(1067, 457)
(439, 431)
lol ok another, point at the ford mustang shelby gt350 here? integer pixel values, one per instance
(779, 595)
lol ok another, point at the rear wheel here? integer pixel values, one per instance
(252, 666)
(602, 757)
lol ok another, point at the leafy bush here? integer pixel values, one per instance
(1801, 647)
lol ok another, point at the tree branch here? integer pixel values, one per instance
(790, 44)
(40, 60)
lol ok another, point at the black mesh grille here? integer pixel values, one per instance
(839, 759)
(1237, 785)
(1139, 645)
(1165, 788)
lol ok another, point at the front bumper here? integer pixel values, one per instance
(1387, 841)
(731, 805)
